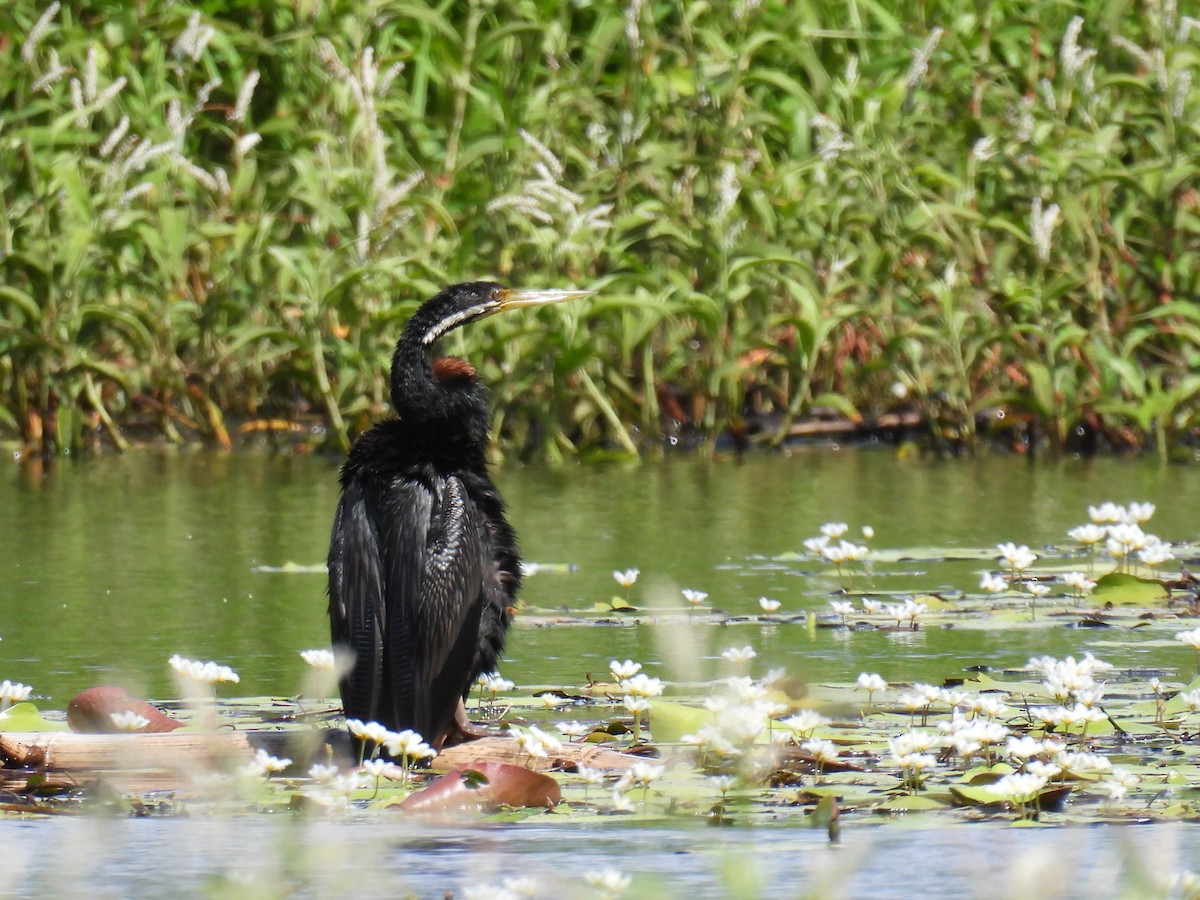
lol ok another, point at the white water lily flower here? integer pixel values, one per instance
(768, 605)
(870, 682)
(368, 731)
(264, 764)
(495, 684)
(642, 685)
(1139, 512)
(1107, 513)
(694, 597)
(822, 751)
(637, 705)
(574, 730)
(128, 721)
(14, 691)
(610, 881)
(375, 767)
(1191, 638)
(627, 578)
(723, 783)
(816, 544)
(915, 742)
(1156, 554)
(622, 803)
(1019, 788)
(1016, 558)
(622, 670)
(1042, 769)
(1079, 582)
(739, 654)
(1191, 699)
(640, 774)
(322, 773)
(991, 707)
(805, 721)
(408, 745)
(206, 672)
(1089, 535)
(318, 659)
(588, 776)
(993, 584)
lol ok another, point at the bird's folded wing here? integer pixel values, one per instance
(356, 600)
(451, 598)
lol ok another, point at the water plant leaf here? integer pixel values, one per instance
(91, 711)
(485, 786)
(1123, 589)
(670, 721)
(25, 716)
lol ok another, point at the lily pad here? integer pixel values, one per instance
(25, 716)
(485, 786)
(1123, 589)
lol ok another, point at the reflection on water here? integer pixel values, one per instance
(111, 565)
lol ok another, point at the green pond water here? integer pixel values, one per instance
(109, 566)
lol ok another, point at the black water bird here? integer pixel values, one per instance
(423, 565)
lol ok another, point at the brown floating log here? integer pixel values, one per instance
(67, 751)
(505, 750)
(83, 754)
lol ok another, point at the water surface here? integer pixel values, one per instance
(111, 565)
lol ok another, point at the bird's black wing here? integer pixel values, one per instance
(356, 598)
(406, 573)
(442, 629)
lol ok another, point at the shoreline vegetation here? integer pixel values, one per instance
(981, 223)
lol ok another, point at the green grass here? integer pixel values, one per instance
(780, 209)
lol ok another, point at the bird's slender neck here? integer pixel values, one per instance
(443, 396)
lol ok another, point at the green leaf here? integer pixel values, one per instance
(1123, 589)
(670, 721)
(25, 716)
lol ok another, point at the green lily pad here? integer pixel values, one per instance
(671, 721)
(25, 716)
(1123, 589)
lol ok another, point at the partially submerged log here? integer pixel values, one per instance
(501, 749)
(132, 762)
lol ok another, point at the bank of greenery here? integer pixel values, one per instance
(221, 213)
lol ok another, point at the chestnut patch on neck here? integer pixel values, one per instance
(450, 368)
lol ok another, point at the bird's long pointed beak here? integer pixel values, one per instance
(512, 299)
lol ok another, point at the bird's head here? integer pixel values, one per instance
(452, 393)
(462, 303)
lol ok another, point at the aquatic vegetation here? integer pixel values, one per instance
(128, 721)
(840, 238)
(870, 682)
(1062, 738)
(206, 673)
(13, 692)
(738, 655)
(318, 659)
